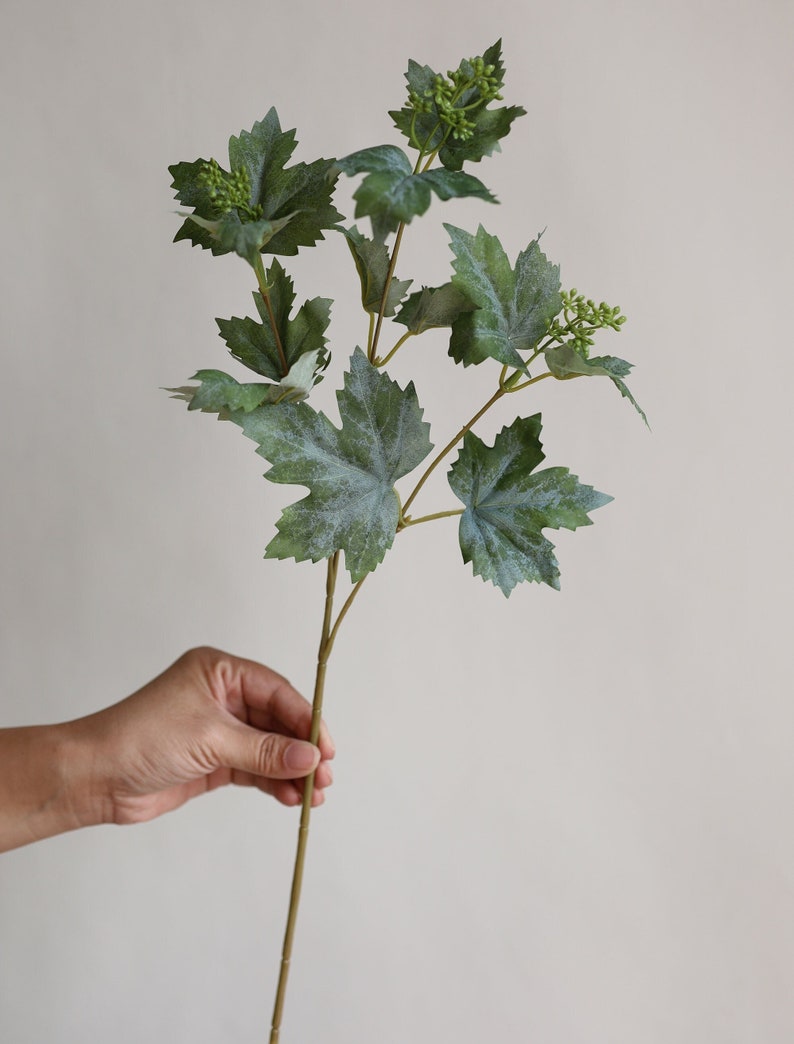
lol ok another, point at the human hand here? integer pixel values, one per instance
(208, 720)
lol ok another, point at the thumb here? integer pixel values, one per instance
(265, 754)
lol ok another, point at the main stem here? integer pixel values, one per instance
(326, 644)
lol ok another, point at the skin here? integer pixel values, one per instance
(209, 720)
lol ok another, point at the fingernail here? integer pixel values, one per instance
(300, 757)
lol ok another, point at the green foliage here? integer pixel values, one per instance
(219, 393)
(392, 192)
(515, 314)
(508, 504)
(433, 308)
(514, 306)
(571, 335)
(295, 201)
(451, 115)
(254, 343)
(372, 264)
(350, 471)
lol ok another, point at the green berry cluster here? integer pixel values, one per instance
(454, 97)
(229, 192)
(581, 317)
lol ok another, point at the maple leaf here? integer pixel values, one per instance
(508, 503)
(372, 264)
(392, 193)
(514, 305)
(564, 362)
(219, 393)
(254, 343)
(350, 471)
(429, 129)
(295, 202)
(433, 307)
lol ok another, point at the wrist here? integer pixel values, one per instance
(48, 783)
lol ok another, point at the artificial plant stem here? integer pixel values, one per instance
(386, 288)
(395, 349)
(308, 791)
(430, 518)
(264, 290)
(452, 444)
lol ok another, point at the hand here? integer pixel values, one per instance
(208, 720)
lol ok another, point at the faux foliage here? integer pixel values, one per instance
(511, 321)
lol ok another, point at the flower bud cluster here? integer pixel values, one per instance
(229, 191)
(582, 317)
(452, 98)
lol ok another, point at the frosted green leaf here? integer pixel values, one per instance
(392, 193)
(254, 343)
(219, 393)
(429, 131)
(246, 239)
(302, 192)
(514, 305)
(564, 362)
(350, 471)
(433, 308)
(508, 504)
(372, 264)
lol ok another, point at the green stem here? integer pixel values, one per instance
(497, 395)
(327, 640)
(395, 349)
(533, 380)
(308, 791)
(264, 290)
(405, 522)
(370, 332)
(386, 288)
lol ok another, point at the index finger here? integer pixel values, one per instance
(266, 699)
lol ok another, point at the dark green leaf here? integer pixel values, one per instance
(372, 264)
(219, 393)
(565, 362)
(350, 472)
(433, 307)
(302, 192)
(491, 126)
(514, 306)
(254, 343)
(246, 239)
(391, 193)
(428, 131)
(508, 503)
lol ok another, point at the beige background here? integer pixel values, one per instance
(562, 819)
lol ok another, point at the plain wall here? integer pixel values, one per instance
(563, 818)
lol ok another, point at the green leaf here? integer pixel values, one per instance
(246, 239)
(254, 343)
(429, 131)
(514, 306)
(565, 362)
(301, 193)
(508, 504)
(219, 393)
(392, 193)
(491, 125)
(433, 307)
(350, 471)
(372, 264)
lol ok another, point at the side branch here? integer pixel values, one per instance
(497, 395)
